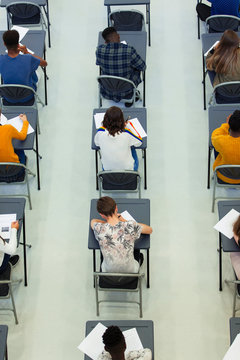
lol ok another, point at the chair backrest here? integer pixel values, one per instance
(10, 172)
(118, 282)
(220, 23)
(119, 181)
(115, 84)
(24, 13)
(16, 94)
(230, 171)
(227, 93)
(127, 20)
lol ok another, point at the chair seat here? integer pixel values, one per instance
(4, 288)
(118, 282)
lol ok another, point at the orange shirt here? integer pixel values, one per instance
(228, 148)
(7, 133)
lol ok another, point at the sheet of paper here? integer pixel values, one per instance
(5, 224)
(206, 53)
(225, 225)
(98, 119)
(133, 341)
(125, 214)
(124, 42)
(16, 122)
(21, 30)
(92, 345)
(234, 350)
(135, 126)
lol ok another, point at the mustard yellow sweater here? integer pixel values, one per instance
(7, 133)
(228, 148)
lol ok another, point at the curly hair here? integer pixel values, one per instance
(114, 121)
(113, 337)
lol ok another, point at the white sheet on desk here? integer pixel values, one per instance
(206, 53)
(5, 224)
(225, 225)
(137, 125)
(234, 350)
(15, 122)
(98, 119)
(125, 214)
(21, 30)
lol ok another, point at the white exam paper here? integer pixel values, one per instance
(234, 350)
(15, 122)
(21, 30)
(125, 214)
(98, 119)
(92, 345)
(136, 128)
(132, 339)
(124, 42)
(225, 225)
(5, 224)
(206, 53)
(30, 51)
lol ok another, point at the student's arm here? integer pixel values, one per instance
(145, 229)
(23, 49)
(94, 221)
(10, 248)
(218, 136)
(23, 133)
(137, 62)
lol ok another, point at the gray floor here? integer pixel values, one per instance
(190, 315)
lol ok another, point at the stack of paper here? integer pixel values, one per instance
(233, 352)
(92, 345)
(15, 122)
(135, 126)
(225, 225)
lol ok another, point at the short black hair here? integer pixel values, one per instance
(113, 337)
(106, 206)
(11, 38)
(107, 33)
(234, 121)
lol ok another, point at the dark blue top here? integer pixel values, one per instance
(225, 7)
(19, 70)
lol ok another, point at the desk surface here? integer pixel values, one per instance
(234, 328)
(39, 2)
(144, 329)
(34, 40)
(125, 2)
(209, 39)
(28, 143)
(140, 113)
(228, 245)
(3, 340)
(137, 39)
(138, 208)
(14, 206)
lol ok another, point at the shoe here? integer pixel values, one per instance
(14, 260)
(141, 258)
(136, 99)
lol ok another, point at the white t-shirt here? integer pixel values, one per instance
(116, 150)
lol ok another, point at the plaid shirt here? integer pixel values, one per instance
(122, 60)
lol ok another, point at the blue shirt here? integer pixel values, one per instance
(19, 70)
(225, 7)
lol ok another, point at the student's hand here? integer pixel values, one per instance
(15, 225)
(23, 49)
(120, 217)
(227, 120)
(23, 117)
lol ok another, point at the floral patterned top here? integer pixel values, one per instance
(117, 245)
(144, 354)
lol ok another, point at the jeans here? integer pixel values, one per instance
(135, 157)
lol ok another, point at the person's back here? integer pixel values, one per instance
(219, 7)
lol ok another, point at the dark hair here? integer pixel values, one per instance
(234, 121)
(106, 206)
(225, 57)
(108, 32)
(113, 120)
(236, 228)
(11, 39)
(114, 340)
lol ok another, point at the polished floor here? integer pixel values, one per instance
(190, 315)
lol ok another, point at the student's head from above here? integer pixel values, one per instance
(114, 121)
(11, 39)
(110, 35)
(236, 230)
(114, 341)
(234, 123)
(106, 206)
(229, 40)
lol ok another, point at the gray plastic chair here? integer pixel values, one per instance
(232, 172)
(6, 289)
(116, 85)
(119, 181)
(118, 282)
(132, 20)
(8, 174)
(236, 282)
(220, 23)
(226, 93)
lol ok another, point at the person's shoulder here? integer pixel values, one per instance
(144, 354)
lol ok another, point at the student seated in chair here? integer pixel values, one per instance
(9, 248)
(116, 142)
(226, 142)
(16, 68)
(117, 59)
(226, 7)
(115, 346)
(116, 238)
